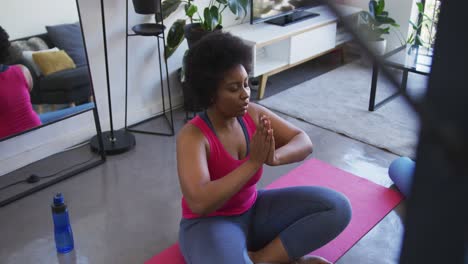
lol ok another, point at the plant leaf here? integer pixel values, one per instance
(415, 27)
(169, 51)
(372, 7)
(169, 6)
(244, 4)
(233, 6)
(381, 31)
(207, 17)
(410, 39)
(380, 7)
(175, 36)
(191, 10)
(384, 20)
(420, 7)
(214, 17)
(223, 2)
(428, 17)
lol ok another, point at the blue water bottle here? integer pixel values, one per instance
(62, 228)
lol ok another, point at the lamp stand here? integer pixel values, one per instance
(115, 142)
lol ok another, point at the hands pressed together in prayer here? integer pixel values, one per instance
(262, 149)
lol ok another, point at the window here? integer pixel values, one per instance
(427, 32)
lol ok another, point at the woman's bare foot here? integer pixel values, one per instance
(312, 260)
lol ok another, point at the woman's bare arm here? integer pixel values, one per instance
(291, 143)
(27, 76)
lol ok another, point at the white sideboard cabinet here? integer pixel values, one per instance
(277, 48)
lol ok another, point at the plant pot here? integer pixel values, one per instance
(194, 32)
(378, 47)
(146, 7)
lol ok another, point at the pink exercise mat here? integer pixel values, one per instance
(370, 202)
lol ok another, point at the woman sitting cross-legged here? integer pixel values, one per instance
(220, 154)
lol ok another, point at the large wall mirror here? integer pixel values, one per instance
(48, 42)
(44, 69)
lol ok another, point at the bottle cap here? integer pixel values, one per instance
(58, 199)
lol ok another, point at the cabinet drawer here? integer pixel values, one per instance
(311, 43)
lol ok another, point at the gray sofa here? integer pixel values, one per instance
(67, 86)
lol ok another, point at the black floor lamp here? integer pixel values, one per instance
(115, 142)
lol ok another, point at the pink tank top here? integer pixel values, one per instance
(220, 163)
(16, 112)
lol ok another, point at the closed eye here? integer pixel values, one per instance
(235, 87)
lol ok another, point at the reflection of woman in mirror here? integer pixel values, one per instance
(16, 111)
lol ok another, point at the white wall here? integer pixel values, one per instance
(143, 68)
(400, 10)
(22, 18)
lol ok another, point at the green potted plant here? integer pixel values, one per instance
(423, 20)
(374, 24)
(194, 26)
(199, 24)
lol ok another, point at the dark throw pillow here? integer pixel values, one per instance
(69, 38)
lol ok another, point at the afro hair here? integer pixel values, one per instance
(209, 59)
(4, 45)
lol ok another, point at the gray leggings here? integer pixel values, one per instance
(304, 218)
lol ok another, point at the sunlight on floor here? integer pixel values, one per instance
(366, 167)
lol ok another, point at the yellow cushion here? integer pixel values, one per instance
(54, 61)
